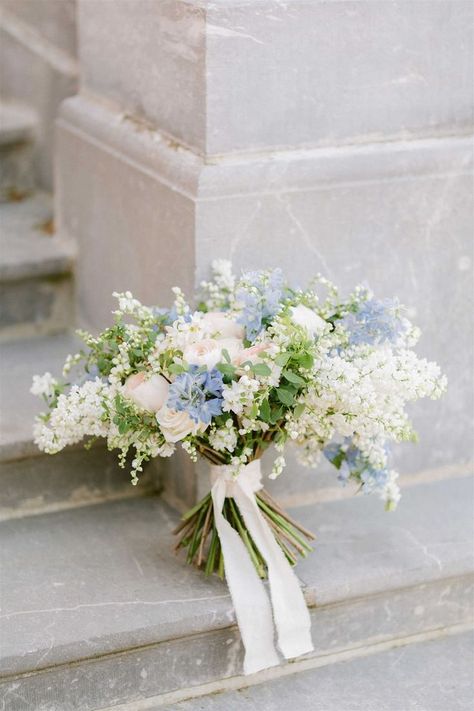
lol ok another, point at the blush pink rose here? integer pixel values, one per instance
(149, 393)
(252, 354)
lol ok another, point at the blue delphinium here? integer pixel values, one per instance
(198, 392)
(351, 463)
(259, 293)
(376, 322)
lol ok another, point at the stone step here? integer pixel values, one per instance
(35, 270)
(434, 675)
(18, 128)
(30, 481)
(98, 612)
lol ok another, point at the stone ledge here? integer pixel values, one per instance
(434, 674)
(27, 247)
(18, 407)
(18, 123)
(212, 177)
(102, 579)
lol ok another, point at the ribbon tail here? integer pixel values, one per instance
(251, 604)
(291, 614)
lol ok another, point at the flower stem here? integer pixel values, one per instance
(197, 534)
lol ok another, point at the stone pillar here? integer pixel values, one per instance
(316, 136)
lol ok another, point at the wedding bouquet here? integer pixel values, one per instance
(257, 363)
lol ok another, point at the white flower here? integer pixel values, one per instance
(43, 385)
(222, 271)
(219, 324)
(76, 415)
(239, 395)
(208, 352)
(148, 393)
(278, 466)
(224, 438)
(308, 319)
(176, 425)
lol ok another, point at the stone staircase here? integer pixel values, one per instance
(97, 613)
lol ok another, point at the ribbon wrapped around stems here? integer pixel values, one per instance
(252, 606)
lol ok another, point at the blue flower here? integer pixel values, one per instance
(260, 295)
(191, 390)
(351, 463)
(376, 322)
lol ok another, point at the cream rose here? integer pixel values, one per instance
(308, 319)
(209, 351)
(148, 393)
(176, 425)
(220, 325)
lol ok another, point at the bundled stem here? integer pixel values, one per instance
(197, 534)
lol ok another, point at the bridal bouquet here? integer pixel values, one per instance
(257, 363)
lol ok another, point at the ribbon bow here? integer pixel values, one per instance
(252, 606)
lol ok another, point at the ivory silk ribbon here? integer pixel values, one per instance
(252, 606)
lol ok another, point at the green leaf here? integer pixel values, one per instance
(285, 396)
(299, 409)
(226, 355)
(254, 410)
(338, 459)
(306, 360)
(282, 358)
(293, 377)
(226, 369)
(277, 414)
(265, 412)
(176, 368)
(261, 369)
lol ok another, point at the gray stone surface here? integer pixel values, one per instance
(18, 123)
(431, 676)
(146, 225)
(105, 581)
(16, 178)
(35, 306)
(309, 73)
(35, 270)
(18, 129)
(27, 246)
(140, 60)
(72, 478)
(37, 66)
(30, 481)
(54, 21)
(143, 673)
(20, 361)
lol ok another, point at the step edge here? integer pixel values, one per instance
(240, 682)
(23, 126)
(466, 578)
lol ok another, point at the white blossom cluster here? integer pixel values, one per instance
(75, 416)
(256, 363)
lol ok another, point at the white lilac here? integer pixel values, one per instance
(43, 385)
(224, 438)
